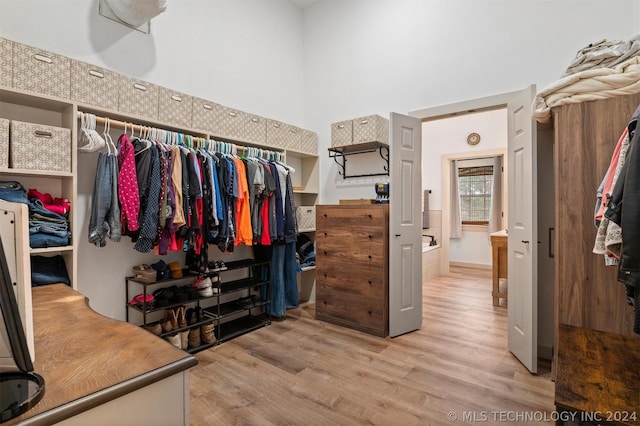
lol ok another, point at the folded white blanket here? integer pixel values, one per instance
(589, 85)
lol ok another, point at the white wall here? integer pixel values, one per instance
(245, 54)
(377, 56)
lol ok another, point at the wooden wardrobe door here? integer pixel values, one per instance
(587, 292)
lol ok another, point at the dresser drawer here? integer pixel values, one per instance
(231, 123)
(175, 107)
(255, 129)
(94, 85)
(365, 281)
(358, 234)
(6, 62)
(346, 256)
(348, 216)
(39, 71)
(138, 97)
(372, 128)
(204, 115)
(342, 133)
(355, 311)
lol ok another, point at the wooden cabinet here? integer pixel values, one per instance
(586, 291)
(352, 266)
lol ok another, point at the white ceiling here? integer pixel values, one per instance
(303, 4)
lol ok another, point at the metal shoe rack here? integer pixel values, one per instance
(231, 307)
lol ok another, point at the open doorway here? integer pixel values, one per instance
(522, 218)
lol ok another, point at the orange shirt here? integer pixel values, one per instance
(244, 231)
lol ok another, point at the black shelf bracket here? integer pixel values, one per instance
(340, 154)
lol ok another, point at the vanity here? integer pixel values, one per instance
(98, 370)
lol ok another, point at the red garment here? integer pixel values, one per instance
(56, 205)
(265, 238)
(128, 185)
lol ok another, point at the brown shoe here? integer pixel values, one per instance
(194, 337)
(154, 328)
(182, 317)
(207, 332)
(184, 339)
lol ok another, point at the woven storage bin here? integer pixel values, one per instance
(283, 136)
(175, 108)
(231, 123)
(94, 85)
(342, 133)
(308, 143)
(306, 217)
(204, 115)
(39, 147)
(42, 72)
(6, 62)
(138, 97)
(371, 128)
(255, 129)
(4, 143)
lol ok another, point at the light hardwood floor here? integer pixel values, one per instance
(305, 372)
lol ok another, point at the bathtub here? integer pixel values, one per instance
(430, 260)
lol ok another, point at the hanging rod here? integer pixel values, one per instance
(140, 127)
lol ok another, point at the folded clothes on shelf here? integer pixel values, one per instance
(48, 270)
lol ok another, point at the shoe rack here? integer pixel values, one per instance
(238, 304)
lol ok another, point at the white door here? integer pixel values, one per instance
(522, 240)
(405, 225)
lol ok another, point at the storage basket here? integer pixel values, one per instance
(342, 133)
(138, 97)
(39, 147)
(306, 217)
(4, 143)
(94, 85)
(175, 107)
(372, 128)
(204, 115)
(308, 143)
(231, 122)
(255, 129)
(276, 134)
(42, 72)
(6, 62)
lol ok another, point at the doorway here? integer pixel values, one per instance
(523, 315)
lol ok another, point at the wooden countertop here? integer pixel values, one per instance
(597, 372)
(87, 359)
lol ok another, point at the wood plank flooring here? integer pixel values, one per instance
(303, 371)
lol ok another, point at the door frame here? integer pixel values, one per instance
(503, 100)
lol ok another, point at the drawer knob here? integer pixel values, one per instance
(370, 282)
(369, 312)
(369, 216)
(325, 275)
(325, 215)
(324, 301)
(370, 236)
(325, 252)
(369, 257)
(325, 234)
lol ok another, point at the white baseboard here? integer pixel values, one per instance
(469, 265)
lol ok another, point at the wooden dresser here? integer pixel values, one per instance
(352, 266)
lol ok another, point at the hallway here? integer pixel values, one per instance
(302, 371)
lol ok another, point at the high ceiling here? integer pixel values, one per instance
(303, 4)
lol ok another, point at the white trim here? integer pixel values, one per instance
(469, 265)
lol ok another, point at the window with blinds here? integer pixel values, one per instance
(474, 187)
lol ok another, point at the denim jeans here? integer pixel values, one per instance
(13, 192)
(291, 297)
(278, 280)
(42, 240)
(48, 270)
(105, 217)
(59, 230)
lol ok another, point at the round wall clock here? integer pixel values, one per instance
(473, 139)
